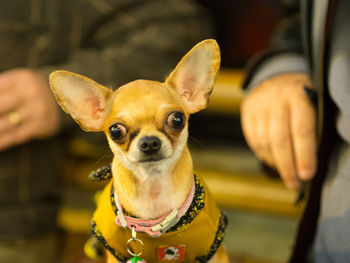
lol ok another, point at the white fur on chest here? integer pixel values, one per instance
(155, 198)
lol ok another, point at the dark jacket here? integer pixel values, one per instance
(298, 36)
(111, 41)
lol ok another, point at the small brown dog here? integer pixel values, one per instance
(155, 207)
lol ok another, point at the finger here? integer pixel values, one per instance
(247, 123)
(6, 82)
(281, 146)
(6, 125)
(9, 101)
(262, 145)
(303, 128)
(254, 130)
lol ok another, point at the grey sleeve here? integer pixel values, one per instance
(286, 54)
(279, 64)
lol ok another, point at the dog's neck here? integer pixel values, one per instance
(159, 193)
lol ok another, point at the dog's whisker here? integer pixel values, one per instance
(106, 155)
(198, 142)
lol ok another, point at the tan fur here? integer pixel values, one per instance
(146, 189)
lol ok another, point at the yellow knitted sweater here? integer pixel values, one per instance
(196, 236)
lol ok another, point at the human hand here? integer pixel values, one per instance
(279, 124)
(28, 110)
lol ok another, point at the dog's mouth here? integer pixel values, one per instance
(151, 159)
(148, 159)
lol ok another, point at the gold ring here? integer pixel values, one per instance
(15, 118)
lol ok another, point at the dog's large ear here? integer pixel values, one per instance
(194, 76)
(84, 99)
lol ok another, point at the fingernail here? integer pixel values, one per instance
(306, 174)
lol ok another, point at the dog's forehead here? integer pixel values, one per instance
(144, 91)
(144, 97)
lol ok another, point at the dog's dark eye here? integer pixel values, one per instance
(117, 131)
(176, 120)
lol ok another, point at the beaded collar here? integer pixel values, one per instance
(197, 204)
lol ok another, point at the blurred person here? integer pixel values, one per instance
(113, 42)
(307, 66)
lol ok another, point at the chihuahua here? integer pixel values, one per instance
(154, 207)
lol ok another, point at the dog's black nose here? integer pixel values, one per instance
(149, 144)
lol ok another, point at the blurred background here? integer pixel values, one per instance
(262, 214)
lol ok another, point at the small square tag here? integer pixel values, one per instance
(171, 253)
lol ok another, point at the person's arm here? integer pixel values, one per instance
(278, 119)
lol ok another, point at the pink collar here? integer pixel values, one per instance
(154, 227)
